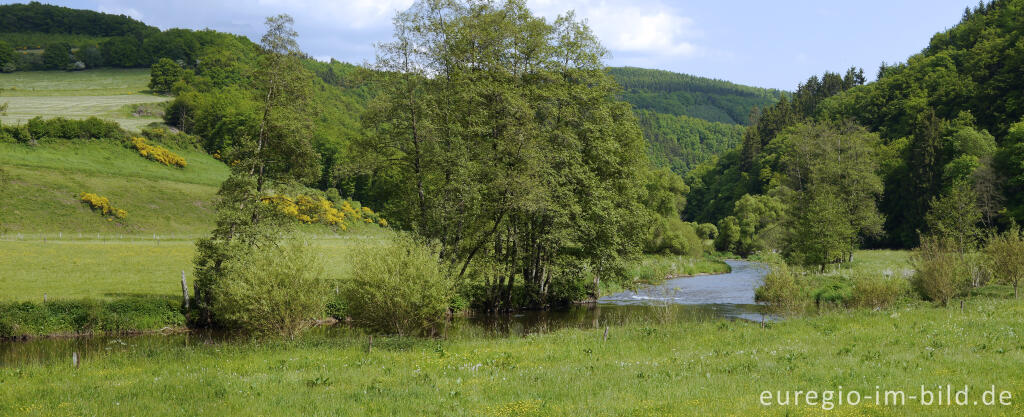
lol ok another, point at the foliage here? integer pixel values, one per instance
(57, 56)
(102, 204)
(88, 316)
(673, 236)
(60, 128)
(954, 217)
(512, 153)
(44, 18)
(940, 271)
(669, 93)
(829, 177)
(316, 209)
(399, 288)
(163, 74)
(270, 289)
(783, 290)
(682, 142)
(1006, 254)
(277, 154)
(878, 290)
(157, 153)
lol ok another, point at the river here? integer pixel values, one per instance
(700, 298)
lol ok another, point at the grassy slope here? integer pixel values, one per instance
(45, 180)
(715, 368)
(104, 93)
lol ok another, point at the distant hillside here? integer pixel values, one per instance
(686, 119)
(687, 95)
(44, 18)
(38, 36)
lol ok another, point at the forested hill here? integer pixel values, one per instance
(688, 95)
(686, 119)
(39, 18)
(948, 128)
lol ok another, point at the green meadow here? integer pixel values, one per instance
(644, 369)
(112, 94)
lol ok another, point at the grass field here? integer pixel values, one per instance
(105, 93)
(75, 268)
(647, 369)
(44, 181)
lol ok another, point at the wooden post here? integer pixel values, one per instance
(369, 347)
(74, 359)
(961, 306)
(184, 289)
(605, 333)
(44, 297)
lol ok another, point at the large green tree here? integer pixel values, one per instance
(272, 152)
(502, 135)
(829, 174)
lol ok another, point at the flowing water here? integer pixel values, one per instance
(700, 298)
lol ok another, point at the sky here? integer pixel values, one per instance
(775, 44)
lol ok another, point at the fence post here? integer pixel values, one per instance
(74, 359)
(184, 289)
(605, 333)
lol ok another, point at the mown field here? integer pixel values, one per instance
(646, 369)
(106, 93)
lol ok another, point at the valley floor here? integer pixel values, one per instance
(712, 368)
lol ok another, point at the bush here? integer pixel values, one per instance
(672, 235)
(102, 204)
(878, 291)
(158, 153)
(783, 290)
(61, 128)
(941, 273)
(400, 288)
(270, 290)
(1006, 254)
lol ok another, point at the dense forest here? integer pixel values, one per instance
(687, 95)
(38, 36)
(942, 132)
(686, 119)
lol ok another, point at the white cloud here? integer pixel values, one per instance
(129, 11)
(649, 29)
(352, 14)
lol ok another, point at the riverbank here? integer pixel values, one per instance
(676, 368)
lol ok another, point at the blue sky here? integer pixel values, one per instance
(763, 43)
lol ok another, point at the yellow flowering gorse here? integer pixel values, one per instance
(158, 153)
(102, 204)
(316, 209)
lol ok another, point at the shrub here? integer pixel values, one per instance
(878, 291)
(782, 290)
(400, 288)
(270, 290)
(157, 153)
(672, 235)
(941, 273)
(316, 209)
(61, 128)
(1006, 254)
(97, 202)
